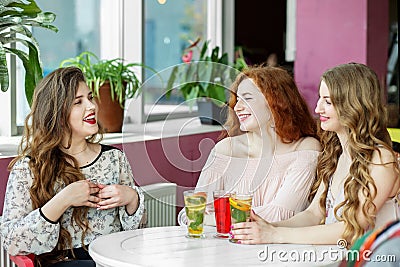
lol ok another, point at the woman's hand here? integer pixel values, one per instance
(117, 195)
(82, 193)
(258, 231)
(76, 194)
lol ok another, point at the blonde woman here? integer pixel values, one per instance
(358, 175)
(65, 189)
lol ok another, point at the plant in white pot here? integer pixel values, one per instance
(205, 81)
(16, 18)
(112, 82)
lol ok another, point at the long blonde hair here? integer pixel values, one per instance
(355, 93)
(45, 127)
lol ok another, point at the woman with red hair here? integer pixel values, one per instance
(270, 147)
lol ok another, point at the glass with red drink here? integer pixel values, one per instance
(222, 213)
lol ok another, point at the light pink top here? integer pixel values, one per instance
(280, 189)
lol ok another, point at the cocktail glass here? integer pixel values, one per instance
(195, 205)
(222, 213)
(240, 205)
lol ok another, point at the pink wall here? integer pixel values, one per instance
(332, 32)
(3, 180)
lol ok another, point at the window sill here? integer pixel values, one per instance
(131, 133)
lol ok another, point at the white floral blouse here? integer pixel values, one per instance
(25, 230)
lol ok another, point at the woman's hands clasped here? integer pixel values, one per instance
(117, 195)
(100, 196)
(82, 193)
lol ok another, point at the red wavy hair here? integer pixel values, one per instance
(292, 116)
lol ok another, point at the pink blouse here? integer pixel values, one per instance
(280, 189)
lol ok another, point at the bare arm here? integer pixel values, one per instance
(259, 231)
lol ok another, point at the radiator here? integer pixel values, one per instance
(160, 204)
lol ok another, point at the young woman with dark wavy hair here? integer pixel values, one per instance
(271, 148)
(358, 173)
(64, 188)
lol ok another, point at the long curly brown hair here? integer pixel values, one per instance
(291, 114)
(355, 93)
(46, 126)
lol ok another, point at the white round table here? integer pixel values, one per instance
(168, 246)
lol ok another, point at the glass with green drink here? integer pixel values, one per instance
(240, 205)
(195, 205)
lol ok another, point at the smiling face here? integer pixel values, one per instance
(251, 107)
(326, 111)
(83, 115)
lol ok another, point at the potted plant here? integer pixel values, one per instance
(205, 80)
(112, 82)
(16, 18)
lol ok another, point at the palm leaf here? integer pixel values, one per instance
(15, 18)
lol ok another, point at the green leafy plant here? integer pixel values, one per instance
(16, 16)
(122, 78)
(205, 76)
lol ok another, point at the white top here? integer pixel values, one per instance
(168, 246)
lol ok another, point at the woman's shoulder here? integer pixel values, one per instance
(22, 163)
(308, 143)
(383, 155)
(224, 146)
(230, 146)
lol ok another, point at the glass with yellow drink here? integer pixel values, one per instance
(240, 205)
(195, 205)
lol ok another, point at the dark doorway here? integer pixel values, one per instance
(260, 28)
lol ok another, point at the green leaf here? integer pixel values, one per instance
(207, 76)
(198, 221)
(191, 72)
(18, 8)
(224, 59)
(204, 50)
(171, 81)
(216, 92)
(4, 79)
(16, 19)
(238, 215)
(190, 92)
(33, 69)
(214, 54)
(122, 77)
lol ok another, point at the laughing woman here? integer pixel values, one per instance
(271, 148)
(65, 189)
(358, 174)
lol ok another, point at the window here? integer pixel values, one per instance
(79, 30)
(113, 28)
(168, 28)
